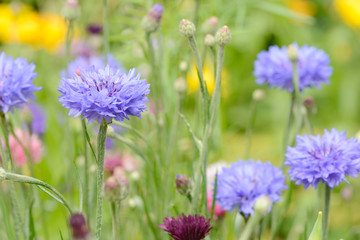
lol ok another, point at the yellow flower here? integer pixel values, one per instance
(29, 28)
(349, 10)
(6, 22)
(304, 7)
(193, 81)
(53, 29)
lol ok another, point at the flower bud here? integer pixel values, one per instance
(79, 228)
(116, 188)
(209, 40)
(187, 28)
(71, 10)
(223, 36)
(151, 21)
(210, 26)
(310, 106)
(183, 185)
(180, 85)
(262, 204)
(258, 95)
(94, 29)
(292, 53)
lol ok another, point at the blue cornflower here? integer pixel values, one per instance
(240, 185)
(99, 94)
(327, 158)
(16, 87)
(83, 63)
(274, 67)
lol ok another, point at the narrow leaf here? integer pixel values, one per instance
(316, 233)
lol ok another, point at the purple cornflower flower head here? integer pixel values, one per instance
(104, 94)
(95, 28)
(151, 21)
(327, 158)
(83, 63)
(240, 185)
(274, 67)
(187, 227)
(16, 87)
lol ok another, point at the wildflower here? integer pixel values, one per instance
(151, 21)
(187, 28)
(240, 185)
(212, 170)
(81, 48)
(16, 85)
(53, 32)
(104, 94)
(186, 227)
(219, 213)
(83, 63)
(209, 40)
(304, 7)
(210, 26)
(116, 188)
(349, 11)
(71, 10)
(79, 228)
(7, 17)
(32, 144)
(193, 82)
(223, 36)
(327, 158)
(124, 161)
(183, 185)
(274, 67)
(94, 28)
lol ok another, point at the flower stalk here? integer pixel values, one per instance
(106, 30)
(101, 144)
(326, 211)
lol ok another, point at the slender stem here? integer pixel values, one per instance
(249, 128)
(86, 173)
(68, 38)
(114, 221)
(26, 179)
(250, 225)
(196, 14)
(326, 211)
(106, 30)
(100, 175)
(214, 196)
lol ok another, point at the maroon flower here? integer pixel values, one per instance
(79, 228)
(187, 227)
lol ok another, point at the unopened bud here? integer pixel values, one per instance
(187, 28)
(71, 9)
(183, 185)
(223, 36)
(151, 21)
(95, 29)
(183, 66)
(310, 106)
(180, 85)
(79, 228)
(116, 188)
(262, 204)
(210, 26)
(209, 40)
(258, 95)
(292, 53)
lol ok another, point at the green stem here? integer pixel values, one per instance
(101, 142)
(214, 196)
(250, 225)
(114, 218)
(197, 8)
(326, 210)
(86, 173)
(26, 179)
(249, 128)
(106, 30)
(68, 38)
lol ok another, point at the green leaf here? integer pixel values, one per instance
(316, 233)
(50, 194)
(197, 142)
(32, 233)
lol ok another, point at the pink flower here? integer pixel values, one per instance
(218, 212)
(125, 162)
(32, 143)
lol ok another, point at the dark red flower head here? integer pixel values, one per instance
(78, 225)
(187, 227)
